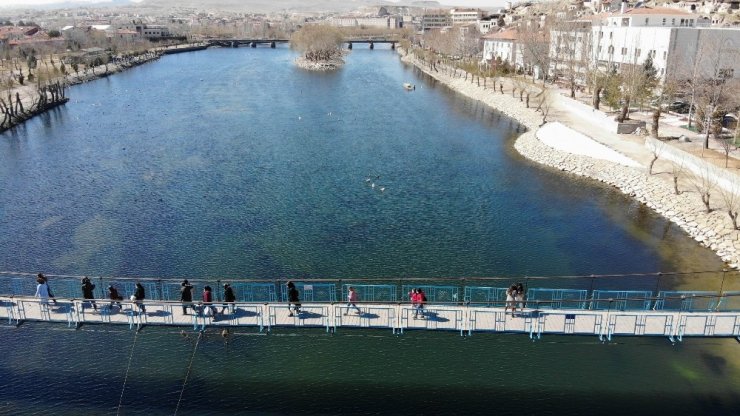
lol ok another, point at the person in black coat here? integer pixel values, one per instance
(88, 289)
(186, 296)
(293, 299)
(229, 298)
(114, 296)
(139, 296)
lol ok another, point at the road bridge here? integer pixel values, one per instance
(235, 43)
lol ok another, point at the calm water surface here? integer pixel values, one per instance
(233, 163)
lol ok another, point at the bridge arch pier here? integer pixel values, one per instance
(372, 45)
(349, 45)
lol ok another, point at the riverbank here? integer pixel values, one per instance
(29, 95)
(713, 230)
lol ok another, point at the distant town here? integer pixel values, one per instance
(580, 45)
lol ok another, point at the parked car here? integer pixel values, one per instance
(679, 107)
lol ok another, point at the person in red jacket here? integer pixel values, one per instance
(208, 301)
(352, 301)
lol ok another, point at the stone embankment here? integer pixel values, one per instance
(713, 230)
(29, 94)
(116, 66)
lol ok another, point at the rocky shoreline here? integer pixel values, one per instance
(329, 65)
(713, 230)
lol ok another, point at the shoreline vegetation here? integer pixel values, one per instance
(661, 193)
(320, 47)
(38, 99)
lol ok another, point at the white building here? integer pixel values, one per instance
(671, 37)
(465, 16)
(385, 22)
(504, 46)
(490, 23)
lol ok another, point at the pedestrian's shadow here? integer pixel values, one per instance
(309, 315)
(240, 313)
(60, 307)
(158, 314)
(434, 317)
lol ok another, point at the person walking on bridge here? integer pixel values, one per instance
(352, 301)
(42, 290)
(114, 297)
(88, 289)
(293, 299)
(229, 298)
(139, 296)
(186, 296)
(48, 287)
(208, 308)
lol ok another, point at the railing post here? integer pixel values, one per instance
(657, 283)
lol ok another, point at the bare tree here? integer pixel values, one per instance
(571, 51)
(656, 148)
(663, 95)
(717, 87)
(704, 182)
(728, 145)
(545, 103)
(318, 42)
(637, 81)
(731, 199)
(677, 169)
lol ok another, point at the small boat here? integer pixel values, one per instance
(409, 87)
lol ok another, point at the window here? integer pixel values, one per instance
(601, 35)
(691, 22)
(637, 52)
(598, 50)
(664, 21)
(611, 50)
(611, 35)
(665, 55)
(647, 20)
(624, 51)
(673, 22)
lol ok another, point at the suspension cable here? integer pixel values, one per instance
(187, 374)
(125, 379)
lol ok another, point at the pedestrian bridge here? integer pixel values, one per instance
(533, 320)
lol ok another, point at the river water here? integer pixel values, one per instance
(233, 163)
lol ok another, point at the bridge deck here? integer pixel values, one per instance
(396, 317)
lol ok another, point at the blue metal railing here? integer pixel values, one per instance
(671, 300)
(444, 294)
(483, 295)
(559, 298)
(69, 287)
(312, 292)
(621, 300)
(372, 293)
